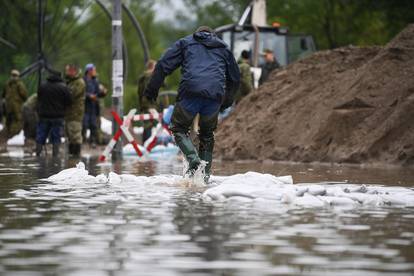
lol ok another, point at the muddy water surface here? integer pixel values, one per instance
(169, 230)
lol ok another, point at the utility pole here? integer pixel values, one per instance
(40, 39)
(117, 72)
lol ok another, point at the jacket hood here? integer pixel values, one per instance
(55, 78)
(209, 40)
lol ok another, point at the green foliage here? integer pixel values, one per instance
(78, 31)
(333, 23)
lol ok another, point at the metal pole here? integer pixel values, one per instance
(40, 39)
(117, 72)
(140, 32)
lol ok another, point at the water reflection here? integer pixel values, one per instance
(159, 229)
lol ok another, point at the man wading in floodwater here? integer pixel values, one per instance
(209, 78)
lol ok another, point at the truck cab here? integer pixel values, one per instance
(252, 33)
(286, 47)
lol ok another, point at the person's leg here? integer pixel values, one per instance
(13, 124)
(147, 130)
(99, 135)
(56, 135)
(74, 134)
(84, 126)
(208, 125)
(42, 132)
(93, 127)
(180, 124)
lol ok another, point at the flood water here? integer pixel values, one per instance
(169, 230)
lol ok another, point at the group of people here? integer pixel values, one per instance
(211, 80)
(66, 106)
(246, 81)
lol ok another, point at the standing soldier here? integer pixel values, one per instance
(246, 84)
(143, 104)
(74, 113)
(209, 78)
(14, 94)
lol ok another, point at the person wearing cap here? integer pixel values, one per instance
(14, 95)
(53, 98)
(143, 104)
(246, 84)
(91, 103)
(270, 64)
(209, 78)
(74, 113)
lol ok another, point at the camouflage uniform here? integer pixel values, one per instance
(144, 104)
(74, 114)
(15, 94)
(246, 84)
(30, 118)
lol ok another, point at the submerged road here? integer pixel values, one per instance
(155, 225)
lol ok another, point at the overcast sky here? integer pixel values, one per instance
(166, 10)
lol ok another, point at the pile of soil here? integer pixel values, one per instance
(348, 105)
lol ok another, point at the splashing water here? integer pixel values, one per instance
(242, 224)
(196, 180)
(250, 187)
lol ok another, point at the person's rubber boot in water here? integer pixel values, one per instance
(70, 149)
(206, 136)
(55, 150)
(181, 122)
(208, 157)
(76, 150)
(39, 148)
(185, 144)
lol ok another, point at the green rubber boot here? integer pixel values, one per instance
(208, 157)
(189, 151)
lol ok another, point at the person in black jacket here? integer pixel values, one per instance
(270, 64)
(209, 78)
(53, 97)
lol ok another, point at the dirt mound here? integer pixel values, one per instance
(352, 105)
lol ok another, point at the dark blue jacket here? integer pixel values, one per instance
(92, 88)
(208, 69)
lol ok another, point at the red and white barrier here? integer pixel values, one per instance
(146, 117)
(124, 128)
(153, 115)
(152, 141)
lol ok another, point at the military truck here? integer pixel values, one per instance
(252, 33)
